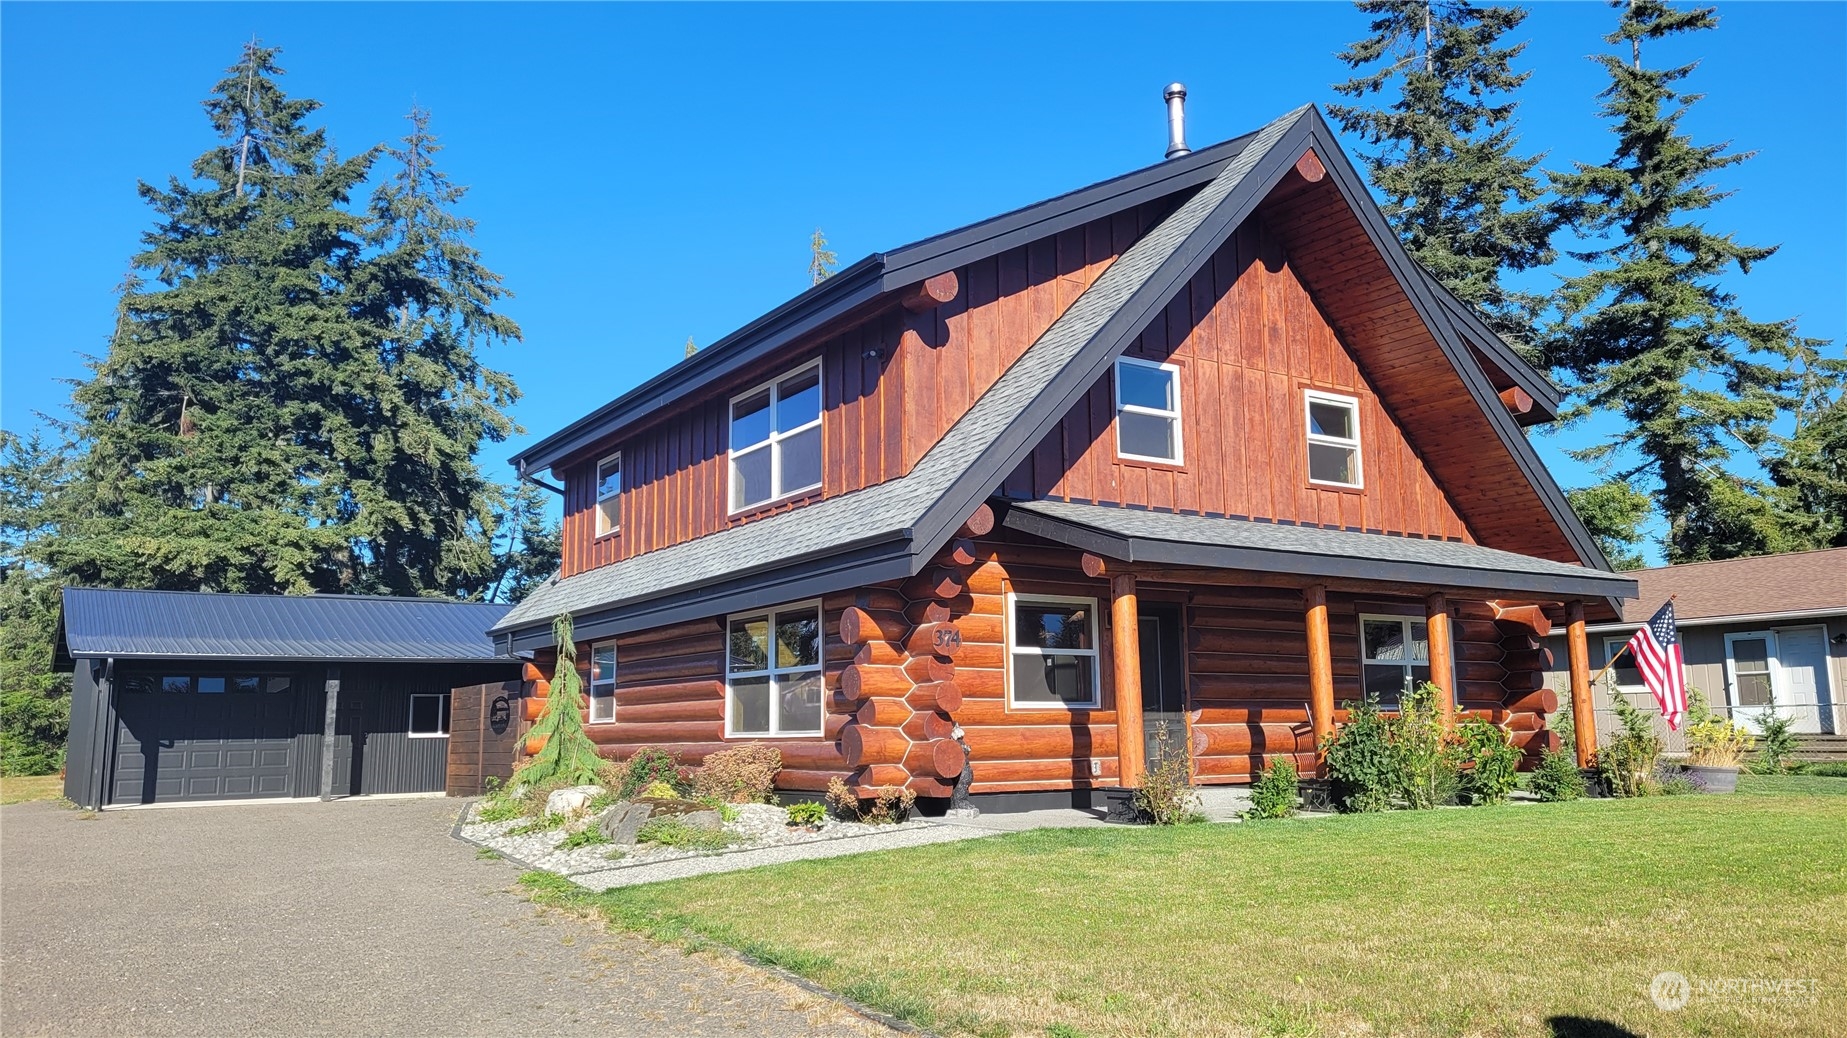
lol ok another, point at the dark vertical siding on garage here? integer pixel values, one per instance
(82, 754)
(375, 703)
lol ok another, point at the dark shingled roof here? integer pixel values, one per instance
(101, 622)
(1798, 582)
(1137, 535)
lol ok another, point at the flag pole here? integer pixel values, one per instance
(1618, 656)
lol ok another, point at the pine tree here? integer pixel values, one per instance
(212, 432)
(1809, 466)
(821, 260)
(691, 347)
(1647, 332)
(527, 546)
(1465, 203)
(1614, 512)
(425, 515)
(34, 698)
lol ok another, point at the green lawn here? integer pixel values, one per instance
(17, 789)
(1516, 920)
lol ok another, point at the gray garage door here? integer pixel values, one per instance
(187, 736)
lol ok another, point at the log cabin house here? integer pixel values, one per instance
(1183, 459)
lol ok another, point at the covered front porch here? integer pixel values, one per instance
(1238, 642)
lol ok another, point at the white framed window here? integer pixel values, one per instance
(1148, 411)
(602, 682)
(1623, 677)
(429, 715)
(776, 439)
(773, 684)
(609, 495)
(1052, 652)
(1394, 655)
(1333, 438)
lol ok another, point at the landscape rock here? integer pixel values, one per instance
(623, 821)
(571, 802)
(662, 806)
(711, 821)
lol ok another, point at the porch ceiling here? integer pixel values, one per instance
(1172, 539)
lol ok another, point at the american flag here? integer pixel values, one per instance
(1657, 655)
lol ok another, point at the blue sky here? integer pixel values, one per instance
(645, 173)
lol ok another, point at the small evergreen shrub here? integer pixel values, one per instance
(740, 775)
(1488, 765)
(1166, 795)
(660, 791)
(1627, 764)
(647, 767)
(1777, 744)
(1360, 765)
(568, 757)
(1273, 795)
(807, 813)
(1557, 778)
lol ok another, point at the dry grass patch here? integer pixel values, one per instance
(1513, 920)
(18, 789)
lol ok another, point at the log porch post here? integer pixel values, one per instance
(1583, 711)
(1126, 654)
(1442, 654)
(1320, 664)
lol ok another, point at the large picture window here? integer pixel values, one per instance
(773, 673)
(1333, 438)
(609, 495)
(1147, 411)
(602, 682)
(776, 439)
(1052, 653)
(1394, 655)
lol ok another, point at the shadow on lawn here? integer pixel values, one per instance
(1584, 1027)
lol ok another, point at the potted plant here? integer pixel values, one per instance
(1715, 746)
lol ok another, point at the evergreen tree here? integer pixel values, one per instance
(527, 546)
(821, 260)
(34, 700)
(424, 515)
(1614, 512)
(691, 347)
(1809, 466)
(214, 431)
(1647, 332)
(1465, 203)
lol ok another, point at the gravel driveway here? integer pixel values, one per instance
(350, 918)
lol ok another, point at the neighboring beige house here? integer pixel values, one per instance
(1755, 632)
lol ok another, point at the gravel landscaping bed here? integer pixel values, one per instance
(758, 827)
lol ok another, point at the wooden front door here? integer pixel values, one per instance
(1163, 684)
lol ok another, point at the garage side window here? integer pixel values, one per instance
(602, 682)
(429, 715)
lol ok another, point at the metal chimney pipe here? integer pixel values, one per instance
(1175, 96)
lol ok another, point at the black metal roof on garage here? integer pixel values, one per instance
(104, 622)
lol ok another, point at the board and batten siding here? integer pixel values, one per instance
(892, 385)
(1248, 341)
(1703, 647)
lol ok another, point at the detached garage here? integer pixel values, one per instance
(185, 697)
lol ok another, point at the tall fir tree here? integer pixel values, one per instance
(821, 259)
(213, 431)
(1809, 466)
(1647, 332)
(1442, 119)
(34, 698)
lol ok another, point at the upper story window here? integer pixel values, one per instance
(609, 495)
(1053, 652)
(603, 682)
(776, 439)
(773, 672)
(1147, 411)
(1333, 438)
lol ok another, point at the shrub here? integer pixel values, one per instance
(500, 809)
(888, 804)
(660, 791)
(647, 767)
(808, 812)
(1627, 764)
(1487, 764)
(1776, 752)
(1565, 723)
(1828, 769)
(612, 775)
(1426, 769)
(568, 757)
(1670, 780)
(671, 831)
(588, 836)
(1713, 741)
(1166, 795)
(1273, 795)
(740, 775)
(1359, 759)
(1557, 777)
